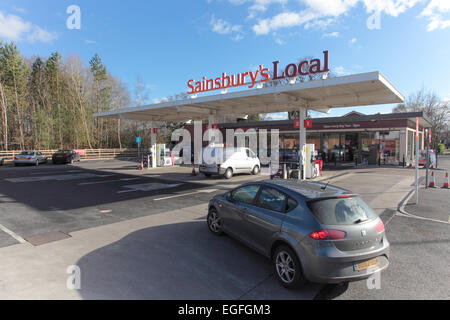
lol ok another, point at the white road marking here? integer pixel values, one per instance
(405, 214)
(60, 177)
(186, 194)
(148, 187)
(106, 181)
(54, 172)
(12, 234)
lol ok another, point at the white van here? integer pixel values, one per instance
(228, 161)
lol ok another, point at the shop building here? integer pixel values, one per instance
(352, 138)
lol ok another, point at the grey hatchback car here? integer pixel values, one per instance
(311, 231)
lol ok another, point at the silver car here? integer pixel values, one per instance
(30, 157)
(311, 231)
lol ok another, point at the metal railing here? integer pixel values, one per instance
(84, 153)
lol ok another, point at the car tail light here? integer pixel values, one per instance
(66, 155)
(380, 226)
(328, 234)
(29, 158)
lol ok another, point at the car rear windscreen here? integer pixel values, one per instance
(341, 210)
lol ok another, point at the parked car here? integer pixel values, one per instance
(65, 156)
(228, 161)
(431, 158)
(310, 231)
(30, 157)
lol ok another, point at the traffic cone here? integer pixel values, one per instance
(432, 182)
(140, 165)
(194, 173)
(445, 181)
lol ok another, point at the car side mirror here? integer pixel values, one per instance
(228, 196)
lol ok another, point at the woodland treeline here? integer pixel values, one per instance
(48, 103)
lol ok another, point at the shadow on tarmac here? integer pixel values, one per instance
(181, 261)
(72, 187)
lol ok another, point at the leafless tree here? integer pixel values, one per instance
(436, 110)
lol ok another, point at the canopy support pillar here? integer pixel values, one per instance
(302, 144)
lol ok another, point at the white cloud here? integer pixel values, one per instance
(21, 10)
(160, 100)
(353, 41)
(279, 41)
(41, 35)
(390, 7)
(16, 29)
(13, 27)
(434, 13)
(223, 27)
(276, 116)
(334, 34)
(318, 13)
(321, 13)
(237, 37)
(341, 71)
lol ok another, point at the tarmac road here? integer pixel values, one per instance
(142, 235)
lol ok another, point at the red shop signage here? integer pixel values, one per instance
(307, 123)
(261, 75)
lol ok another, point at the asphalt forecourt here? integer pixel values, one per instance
(152, 242)
(65, 198)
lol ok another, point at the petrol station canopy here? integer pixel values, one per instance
(320, 95)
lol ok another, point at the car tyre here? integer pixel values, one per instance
(214, 222)
(37, 163)
(228, 173)
(255, 170)
(287, 267)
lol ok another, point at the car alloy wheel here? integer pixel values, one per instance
(214, 222)
(255, 170)
(288, 268)
(285, 267)
(37, 163)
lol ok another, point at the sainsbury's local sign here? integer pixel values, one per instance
(260, 75)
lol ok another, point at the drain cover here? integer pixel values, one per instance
(47, 237)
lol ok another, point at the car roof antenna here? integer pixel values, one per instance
(325, 186)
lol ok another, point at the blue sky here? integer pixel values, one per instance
(169, 42)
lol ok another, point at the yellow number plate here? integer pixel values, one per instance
(366, 264)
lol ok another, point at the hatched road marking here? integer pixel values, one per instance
(106, 181)
(59, 177)
(186, 194)
(148, 187)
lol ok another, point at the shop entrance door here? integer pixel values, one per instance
(351, 145)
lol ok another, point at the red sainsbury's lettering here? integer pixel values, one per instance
(261, 75)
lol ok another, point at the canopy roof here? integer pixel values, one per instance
(320, 95)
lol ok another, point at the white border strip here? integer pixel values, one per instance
(12, 234)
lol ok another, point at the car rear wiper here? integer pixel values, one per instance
(325, 186)
(359, 221)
